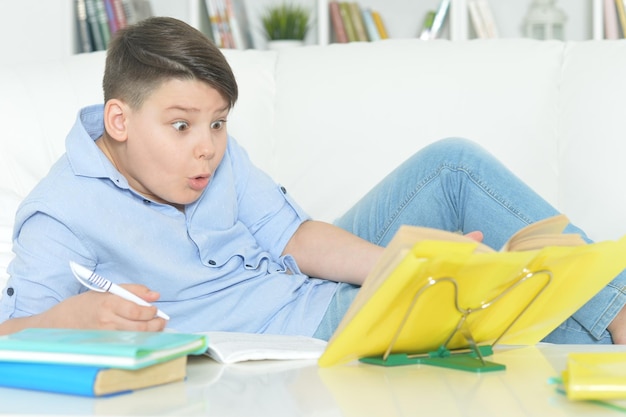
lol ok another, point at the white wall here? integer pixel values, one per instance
(36, 29)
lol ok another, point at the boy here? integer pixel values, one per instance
(152, 191)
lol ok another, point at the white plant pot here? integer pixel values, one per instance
(283, 43)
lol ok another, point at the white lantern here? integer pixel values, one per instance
(545, 21)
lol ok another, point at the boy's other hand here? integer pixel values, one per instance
(477, 235)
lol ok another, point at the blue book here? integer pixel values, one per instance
(99, 348)
(89, 381)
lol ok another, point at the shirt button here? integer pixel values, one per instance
(10, 291)
(283, 189)
(212, 262)
(146, 201)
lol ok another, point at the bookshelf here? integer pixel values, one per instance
(46, 29)
(403, 18)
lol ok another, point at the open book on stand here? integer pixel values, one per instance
(546, 232)
(434, 290)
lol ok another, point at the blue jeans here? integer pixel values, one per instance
(457, 186)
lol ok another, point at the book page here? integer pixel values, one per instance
(231, 347)
(546, 232)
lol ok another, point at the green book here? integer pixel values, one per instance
(346, 16)
(103, 348)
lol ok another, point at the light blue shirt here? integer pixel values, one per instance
(217, 266)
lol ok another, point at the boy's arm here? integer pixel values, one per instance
(45, 294)
(93, 310)
(323, 250)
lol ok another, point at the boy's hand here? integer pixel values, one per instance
(477, 235)
(95, 310)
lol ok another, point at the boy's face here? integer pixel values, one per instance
(174, 141)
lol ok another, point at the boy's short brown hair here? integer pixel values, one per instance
(144, 55)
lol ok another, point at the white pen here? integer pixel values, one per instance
(98, 283)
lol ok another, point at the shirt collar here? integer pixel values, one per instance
(85, 158)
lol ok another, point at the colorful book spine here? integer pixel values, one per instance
(380, 25)
(344, 7)
(370, 26)
(477, 19)
(103, 22)
(427, 26)
(94, 26)
(214, 20)
(83, 27)
(488, 19)
(120, 14)
(611, 25)
(621, 13)
(111, 17)
(357, 21)
(439, 19)
(339, 29)
(235, 29)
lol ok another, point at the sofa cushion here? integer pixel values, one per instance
(349, 113)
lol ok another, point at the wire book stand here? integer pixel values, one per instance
(472, 358)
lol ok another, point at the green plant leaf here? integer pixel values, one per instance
(286, 21)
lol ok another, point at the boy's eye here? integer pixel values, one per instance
(180, 126)
(218, 124)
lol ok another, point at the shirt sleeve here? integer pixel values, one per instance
(265, 206)
(40, 276)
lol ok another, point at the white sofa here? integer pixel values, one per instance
(329, 122)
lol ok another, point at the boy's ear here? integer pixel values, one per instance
(115, 112)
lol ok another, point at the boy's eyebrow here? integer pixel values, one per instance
(183, 108)
(195, 109)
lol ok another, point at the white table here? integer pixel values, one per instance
(300, 388)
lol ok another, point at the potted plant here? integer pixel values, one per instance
(285, 24)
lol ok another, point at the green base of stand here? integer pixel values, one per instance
(444, 358)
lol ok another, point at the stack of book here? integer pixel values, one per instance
(352, 23)
(97, 363)
(98, 20)
(94, 363)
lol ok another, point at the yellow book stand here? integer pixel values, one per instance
(442, 303)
